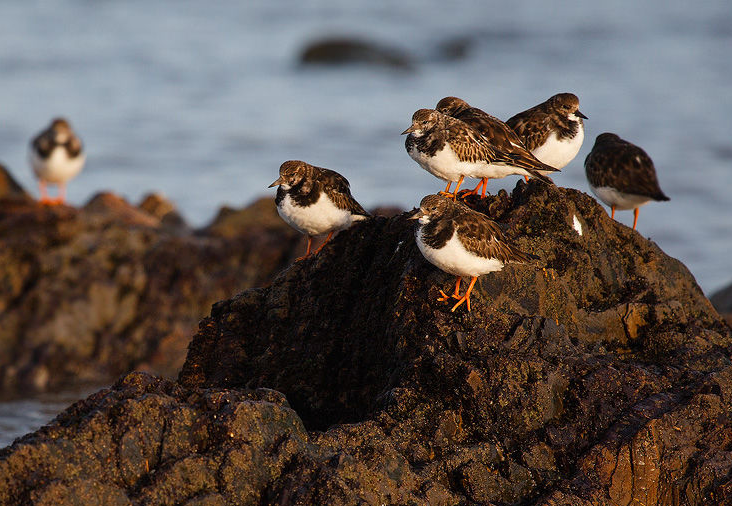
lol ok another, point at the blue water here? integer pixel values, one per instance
(203, 101)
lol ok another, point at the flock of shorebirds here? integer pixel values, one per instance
(452, 141)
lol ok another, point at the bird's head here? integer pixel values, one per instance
(430, 207)
(423, 121)
(291, 173)
(567, 105)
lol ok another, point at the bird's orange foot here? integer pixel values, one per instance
(445, 297)
(465, 298)
(449, 195)
(302, 257)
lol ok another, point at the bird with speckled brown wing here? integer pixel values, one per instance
(461, 242)
(315, 201)
(500, 135)
(553, 130)
(56, 156)
(622, 175)
(452, 150)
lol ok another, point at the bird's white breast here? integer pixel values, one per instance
(58, 167)
(443, 164)
(454, 259)
(320, 218)
(446, 165)
(619, 200)
(559, 152)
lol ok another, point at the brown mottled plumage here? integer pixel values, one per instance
(621, 174)
(559, 115)
(500, 135)
(432, 132)
(308, 181)
(462, 242)
(315, 201)
(56, 156)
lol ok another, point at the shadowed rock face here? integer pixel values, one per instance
(600, 375)
(87, 294)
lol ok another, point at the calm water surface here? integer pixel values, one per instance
(203, 101)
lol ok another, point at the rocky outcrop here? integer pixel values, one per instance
(87, 294)
(600, 375)
(9, 187)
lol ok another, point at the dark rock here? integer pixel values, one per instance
(347, 50)
(163, 209)
(9, 188)
(722, 301)
(87, 294)
(599, 346)
(599, 376)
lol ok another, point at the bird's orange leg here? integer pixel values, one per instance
(475, 190)
(45, 199)
(447, 190)
(485, 187)
(307, 253)
(526, 178)
(61, 194)
(455, 295)
(635, 217)
(466, 297)
(612, 215)
(324, 243)
(447, 193)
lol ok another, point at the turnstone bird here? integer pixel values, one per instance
(57, 156)
(461, 242)
(315, 201)
(622, 175)
(553, 130)
(496, 131)
(451, 149)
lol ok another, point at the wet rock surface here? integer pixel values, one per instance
(599, 375)
(90, 293)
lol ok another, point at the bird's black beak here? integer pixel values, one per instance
(278, 182)
(577, 113)
(409, 130)
(416, 214)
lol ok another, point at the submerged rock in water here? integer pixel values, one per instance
(91, 293)
(599, 375)
(347, 50)
(722, 301)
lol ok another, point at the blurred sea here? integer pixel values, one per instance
(203, 100)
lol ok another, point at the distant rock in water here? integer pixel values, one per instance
(88, 294)
(722, 301)
(345, 50)
(9, 187)
(601, 375)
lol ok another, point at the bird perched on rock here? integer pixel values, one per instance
(461, 242)
(499, 134)
(621, 174)
(451, 149)
(315, 201)
(553, 130)
(56, 156)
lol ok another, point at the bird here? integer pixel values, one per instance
(622, 175)
(56, 155)
(451, 149)
(496, 131)
(461, 242)
(315, 201)
(553, 130)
